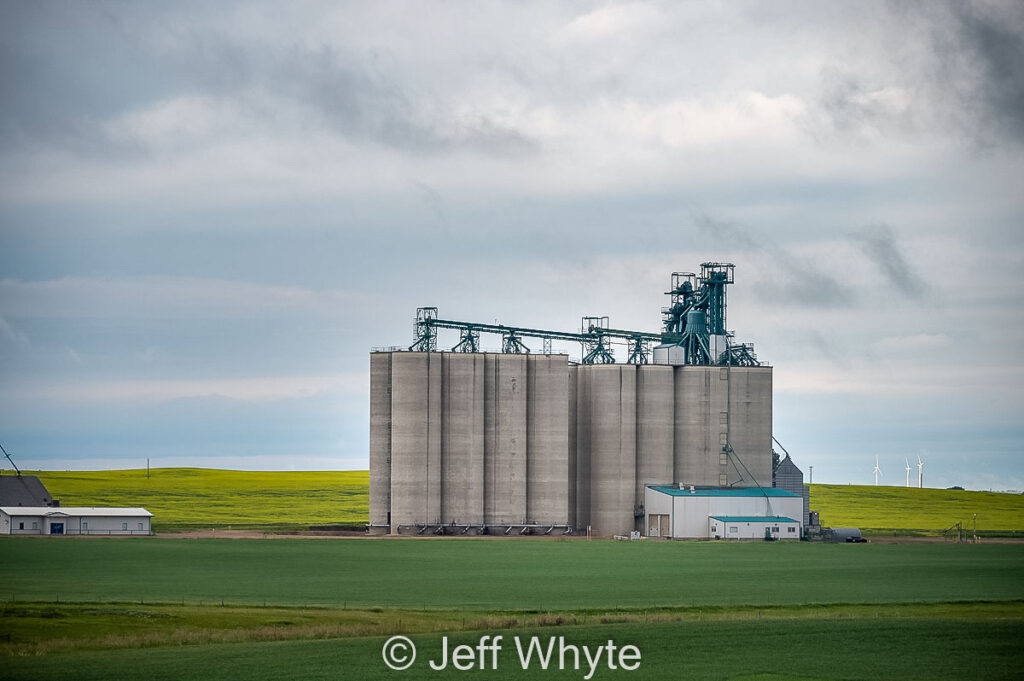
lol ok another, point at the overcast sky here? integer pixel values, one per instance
(210, 212)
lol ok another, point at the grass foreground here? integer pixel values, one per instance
(185, 608)
(936, 642)
(503, 574)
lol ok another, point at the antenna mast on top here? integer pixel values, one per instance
(11, 460)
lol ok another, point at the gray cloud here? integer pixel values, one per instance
(878, 243)
(431, 198)
(824, 346)
(62, 94)
(850, 107)
(952, 68)
(361, 102)
(981, 47)
(798, 281)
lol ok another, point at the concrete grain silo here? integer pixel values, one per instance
(548, 494)
(462, 438)
(504, 439)
(611, 427)
(655, 430)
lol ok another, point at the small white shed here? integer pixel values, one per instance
(753, 527)
(63, 520)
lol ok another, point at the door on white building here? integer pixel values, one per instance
(56, 528)
(657, 525)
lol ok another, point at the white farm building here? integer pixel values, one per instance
(71, 520)
(690, 512)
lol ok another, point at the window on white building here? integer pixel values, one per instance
(21, 526)
(140, 526)
(35, 526)
(85, 525)
(775, 529)
(723, 480)
(124, 526)
(734, 529)
(790, 529)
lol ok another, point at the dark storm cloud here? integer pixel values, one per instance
(991, 39)
(799, 281)
(952, 68)
(878, 243)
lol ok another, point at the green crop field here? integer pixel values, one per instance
(193, 498)
(278, 608)
(492, 573)
(151, 607)
(196, 498)
(868, 648)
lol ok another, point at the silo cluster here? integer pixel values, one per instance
(470, 443)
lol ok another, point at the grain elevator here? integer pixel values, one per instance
(528, 441)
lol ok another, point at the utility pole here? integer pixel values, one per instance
(812, 476)
(147, 468)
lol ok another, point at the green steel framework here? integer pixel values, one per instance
(697, 311)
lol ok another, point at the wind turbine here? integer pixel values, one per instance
(878, 471)
(909, 467)
(920, 472)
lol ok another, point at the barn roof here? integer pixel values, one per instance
(23, 490)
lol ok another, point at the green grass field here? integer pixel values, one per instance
(151, 608)
(488, 574)
(848, 648)
(193, 498)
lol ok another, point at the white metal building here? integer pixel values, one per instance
(753, 527)
(689, 512)
(72, 520)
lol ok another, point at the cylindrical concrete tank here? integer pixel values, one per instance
(573, 521)
(415, 439)
(750, 421)
(655, 400)
(699, 402)
(380, 441)
(612, 448)
(581, 425)
(547, 440)
(504, 439)
(462, 439)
